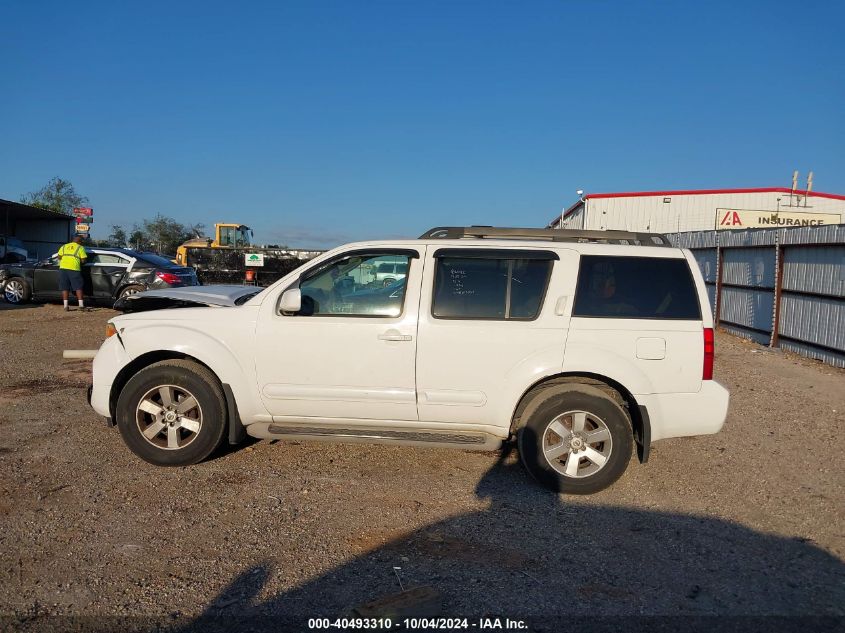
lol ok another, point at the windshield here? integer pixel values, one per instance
(237, 236)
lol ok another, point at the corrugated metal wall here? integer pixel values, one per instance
(779, 287)
(574, 220)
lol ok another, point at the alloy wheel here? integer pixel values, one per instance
(14, 291)
(577, 444)
(169, 417)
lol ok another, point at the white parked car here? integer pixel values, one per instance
(579, 344)
(388, 272)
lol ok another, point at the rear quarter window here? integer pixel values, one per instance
(635, 288)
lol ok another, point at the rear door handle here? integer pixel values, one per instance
(560, 306)
(394, 335)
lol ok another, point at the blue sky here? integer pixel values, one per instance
(323, 122)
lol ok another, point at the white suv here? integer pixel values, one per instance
(579, 344)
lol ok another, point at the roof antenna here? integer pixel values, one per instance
(809, 186)
(794, 186)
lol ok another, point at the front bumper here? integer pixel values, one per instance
(108, 419)
(108, 362)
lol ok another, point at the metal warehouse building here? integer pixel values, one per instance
(701, 210)
(41, 231)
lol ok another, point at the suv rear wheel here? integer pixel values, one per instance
(577, 439)
(172, 413)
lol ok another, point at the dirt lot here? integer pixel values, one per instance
(749, 521)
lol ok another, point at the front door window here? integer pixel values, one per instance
(352, 287)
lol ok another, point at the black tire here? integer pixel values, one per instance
(22, 290)
(598, 407)
(386, 282)
(180, 377)
(130, 290)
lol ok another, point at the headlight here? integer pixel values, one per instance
(111, 330)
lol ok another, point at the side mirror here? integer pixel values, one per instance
(291, 301)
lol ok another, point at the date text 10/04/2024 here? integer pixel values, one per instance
(444, 624)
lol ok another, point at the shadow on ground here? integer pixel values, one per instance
(535, 554)
(5, 305)
(560, 564)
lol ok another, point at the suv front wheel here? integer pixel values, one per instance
(576, 440)
(172, 413)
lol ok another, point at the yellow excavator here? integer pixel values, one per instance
(225, 236)
(224, 258)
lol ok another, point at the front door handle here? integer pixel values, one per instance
(394, 335)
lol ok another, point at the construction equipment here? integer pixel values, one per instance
(230, 257)
(225, 236)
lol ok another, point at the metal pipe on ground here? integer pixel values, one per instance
(79, 354)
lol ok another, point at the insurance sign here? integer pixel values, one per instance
(745, 219)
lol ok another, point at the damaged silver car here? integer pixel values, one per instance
(195, 296)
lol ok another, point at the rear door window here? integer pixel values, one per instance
(635, 288)
(490, 286)
(106, 258)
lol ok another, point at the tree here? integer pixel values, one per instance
(57, 195)
(137, 239)
(165, 234)
(117, 237)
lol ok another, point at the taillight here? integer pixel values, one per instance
(709, 354)
(169, 278)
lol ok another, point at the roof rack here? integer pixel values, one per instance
(553, 235)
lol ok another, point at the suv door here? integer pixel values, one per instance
(493, 320)
(350, 352)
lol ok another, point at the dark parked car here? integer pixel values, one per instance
(12, 250)
(109, 273)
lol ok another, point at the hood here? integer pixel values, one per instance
(187, 297)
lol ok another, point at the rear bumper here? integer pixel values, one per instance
(687, 414)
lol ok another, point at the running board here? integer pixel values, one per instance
(466, 440)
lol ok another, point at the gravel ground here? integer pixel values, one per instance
(749, 521)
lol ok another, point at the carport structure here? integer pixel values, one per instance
(42, 231)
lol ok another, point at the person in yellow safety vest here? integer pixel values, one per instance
(71, 257)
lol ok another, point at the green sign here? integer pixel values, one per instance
(254, 259)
